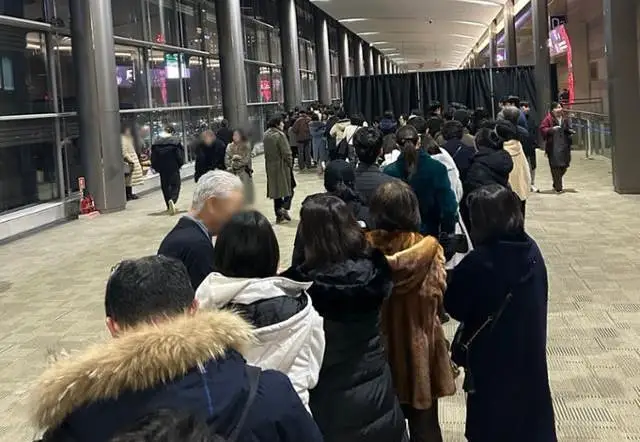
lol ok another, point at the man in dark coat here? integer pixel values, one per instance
(210, 152)
(368, 145)
(224, 133)
(164, 359)
(218, 196)
(504, 277)
(302, 133)
(452, 132)
(167, 157)
(278, 160)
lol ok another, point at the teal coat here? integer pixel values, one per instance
(438, 205)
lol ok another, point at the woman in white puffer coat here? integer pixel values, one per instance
(289, 331)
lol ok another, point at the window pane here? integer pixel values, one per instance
(278, 92)
(31, 10)
(131, 77)
(194, 81)
(262, 44)
(266, 88)
(274, 41)
(303, 55)
(311, 57)
(253, 82)
(210, 31)
(162, 22)
(250, 40)
(164, 76)
(214, 85)
(24, 85)
(189, 24)
(67, 88)
(28, 172)
(128, 18)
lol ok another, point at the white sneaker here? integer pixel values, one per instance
(534, 189)
(172, 208)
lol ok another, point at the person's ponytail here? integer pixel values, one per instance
(410, 151)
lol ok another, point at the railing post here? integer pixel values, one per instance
(588, 150)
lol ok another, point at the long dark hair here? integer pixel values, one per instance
(407, 139)
(394, 207)
(331, 232)
(495, 213)
(247, 247)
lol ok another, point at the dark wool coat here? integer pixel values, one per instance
(190, 364)
(278, 161)
(438, 204)
(209, 157)
(414, 339)
(557, 141)
(354, 400)
(508, 363)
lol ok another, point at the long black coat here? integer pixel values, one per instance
(354, 400)
(512, 399)
(209, 157)
(557, 141)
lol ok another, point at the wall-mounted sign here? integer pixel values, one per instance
(557, 20)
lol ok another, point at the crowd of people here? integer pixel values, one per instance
(422, 217)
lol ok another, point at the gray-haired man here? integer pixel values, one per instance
(218, 196)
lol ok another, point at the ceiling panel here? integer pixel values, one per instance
(427, 33)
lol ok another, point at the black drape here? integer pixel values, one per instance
(374, 94)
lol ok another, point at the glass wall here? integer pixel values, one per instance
(263, 62)
(307, 51)
(334, 63)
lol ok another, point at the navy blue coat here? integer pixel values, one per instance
(512, 399)
(97, 397)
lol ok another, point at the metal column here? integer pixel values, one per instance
(385, 66)
(541, 57)
(359, 59)
(99, 116)
(378, 65)
(322, 59)
(290, 54)
(493, 44)
(621, 53)
(510, 46)
(368, 57)
(232, 69)
(343, 54)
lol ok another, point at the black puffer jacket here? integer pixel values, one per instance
(489, 166)
(167, 155)
(354, 399)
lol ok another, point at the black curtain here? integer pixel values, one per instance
(401, 93)
(374, 94)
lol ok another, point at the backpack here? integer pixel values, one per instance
(341, 150)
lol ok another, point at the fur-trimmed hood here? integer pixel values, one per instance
(411, 257)
(141, 359)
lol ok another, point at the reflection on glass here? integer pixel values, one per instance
(210, 29)
(274, 41)
(31, 10)
(28, 172)
(278, 91)
(165, 70)
(67, 88)
(195, 90)
(128, 18)
(162, 22)
(131, 78)
(214, 84)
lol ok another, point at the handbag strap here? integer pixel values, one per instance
(253, 373)
(491, 320)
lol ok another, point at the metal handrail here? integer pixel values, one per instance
(593, 132)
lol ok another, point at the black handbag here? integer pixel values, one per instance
(461, 346)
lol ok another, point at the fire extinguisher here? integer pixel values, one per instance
(87, 205)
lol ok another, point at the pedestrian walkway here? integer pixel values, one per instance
(52, 293)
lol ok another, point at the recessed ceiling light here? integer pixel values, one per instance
(380, 43)
(388, 49)
(470, 23)
(352, 20)
(391, 55)
(463, 36)
(368, 33)
(481, 2)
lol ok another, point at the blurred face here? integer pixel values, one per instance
(237, 138)
(217, 211)
(557, 111)
(402, 121)
(208, 137)
(526, 109)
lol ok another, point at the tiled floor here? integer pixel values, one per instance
(51, 297)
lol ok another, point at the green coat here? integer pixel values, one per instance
(278, 161)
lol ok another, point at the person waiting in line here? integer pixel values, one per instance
(512, 115)
(556, 132)
(355, 398)
(133, 175)
(278, 161)
(429, 180)
(339, 127)
(434, 129)
(369, 145)
(520, 176)
(478, 119)
(238, 161)
(402, 120)
(452, 132)
(500, 293)
(461, 242)
(166, 425)
(224, 132)
(217, 197)
(415, 342)
(388, 124)
(356, 122)
(462, 116)
(302, 133)
(167, 158)
(167, 355)
(289, 332)
(339, 181)
(435, 109)
(210, 152)
(317, 129)
(532, 127)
